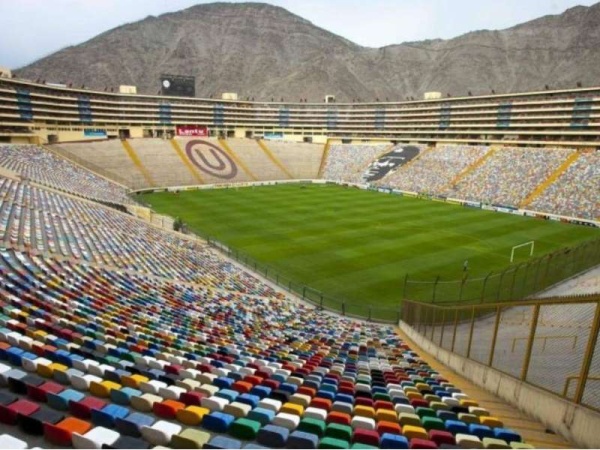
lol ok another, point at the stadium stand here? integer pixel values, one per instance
(150, 163)
(43, 167)
(91, 356)
(575, 193)
(301, 160)
(115, 333)
(105, 157)
(349, 162)
(509, 175)
(256, 160)
(434, 169)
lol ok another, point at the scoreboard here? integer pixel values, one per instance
(178, 85)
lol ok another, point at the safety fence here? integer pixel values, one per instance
(550, 343)
(515, 282)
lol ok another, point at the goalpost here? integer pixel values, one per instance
(512, 252)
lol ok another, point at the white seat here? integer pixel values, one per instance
(285, 420)
(269, 403)
(8, 441)
(362, 422)
(160, 432)
(171, 392)
(95, 438)
(152, 386)
(214, 403)
(30, 365)
(82, 383)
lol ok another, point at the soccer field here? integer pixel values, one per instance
(357, 245)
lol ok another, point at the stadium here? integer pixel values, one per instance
(189, 272)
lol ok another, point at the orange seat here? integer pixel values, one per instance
(242, 387)
(388, 427)
(339, 417)
(61, 433)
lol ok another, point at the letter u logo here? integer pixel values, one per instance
(211, 159)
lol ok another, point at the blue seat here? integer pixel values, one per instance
(261, 391)
(456, 426)
(223, 442)
(301, 439)
(273, 436)
(228, 394)
(389, 440)
(61, 400)
(481, 431)
(217, 422)
(344, 398)
(223, 382)
(107, 416)
(123, 396)
(132, 424)
(249, 399)
(13, 355)
(128, 442)
(278, 377)
(507, 435)
(446, 415)
(288, 387)
(261, 415)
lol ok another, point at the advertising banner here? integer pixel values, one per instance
(192, 130)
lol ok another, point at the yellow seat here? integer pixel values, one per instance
(133, 381)
(192, 415)
(386, 415)
(413, 432)
(466, 402)
(292, 408)
(492, 422)
(364, 411)
(103, 388)
(48, 371)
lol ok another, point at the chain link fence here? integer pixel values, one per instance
(550, 343)
(515, 282)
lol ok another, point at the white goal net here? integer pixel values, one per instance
(530, 244)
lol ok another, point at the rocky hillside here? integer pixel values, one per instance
(264, 51)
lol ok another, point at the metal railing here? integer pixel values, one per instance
(550, 343)
(515, 282)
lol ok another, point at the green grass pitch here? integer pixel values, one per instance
(358, 245)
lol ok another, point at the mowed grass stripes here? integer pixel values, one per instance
(358, 245)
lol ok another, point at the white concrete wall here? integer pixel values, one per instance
(576, 423)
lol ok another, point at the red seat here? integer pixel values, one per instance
(9, 413)
(191, 398)
(442, 437)
(422, 443)
(83, 408)
(369, 437)
(38, 393)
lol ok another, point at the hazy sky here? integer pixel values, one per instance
(30, 29)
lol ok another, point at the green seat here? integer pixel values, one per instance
(433, 423)
(425, 412)
(245, 429)
(339, 431)
(313, 426)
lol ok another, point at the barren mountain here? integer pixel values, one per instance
(263, 51)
